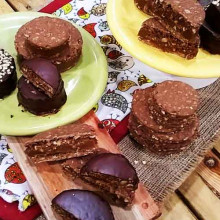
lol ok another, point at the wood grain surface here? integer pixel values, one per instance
(175, 209)
(28, 5)
(180, 205)
(200, 198)
(4, 7)
(47, 179)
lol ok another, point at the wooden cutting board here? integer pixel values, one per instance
(47, 179)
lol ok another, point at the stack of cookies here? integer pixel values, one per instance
(164, 117)
(51, 38)
(174, 27)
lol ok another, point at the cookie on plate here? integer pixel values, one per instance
(8, 75)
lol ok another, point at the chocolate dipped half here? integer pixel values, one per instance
(71, 167)
(213, 15)
(8, 75)
(36, 101)
(210, 40)
(42, 74)
(81, 205)
(210, 30)
(113, 174)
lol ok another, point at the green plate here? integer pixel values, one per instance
(84, 83)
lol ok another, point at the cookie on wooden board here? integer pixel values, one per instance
(81, 205)
(61, 143)
(113, 174)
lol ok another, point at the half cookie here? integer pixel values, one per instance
(61, 143)
(36, 101)
(113, 174)
(42, 74)
(154, 33)
(182, 18)
(81, 205)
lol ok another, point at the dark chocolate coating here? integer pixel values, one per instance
(210, 40)
(8, 77)
(83, 205)
(38, 103)
(111, 164)
(205, 3)
(45, 70)
(212, 17)
(210, 30)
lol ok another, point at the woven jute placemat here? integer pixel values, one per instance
(163, 174)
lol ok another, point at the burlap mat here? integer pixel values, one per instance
(163, 174)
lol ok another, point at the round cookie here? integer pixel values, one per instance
(36, 101)
(175, 99)
(140, 110)
(81, 205)
(63, 49)
(8, 75)
(47, 36)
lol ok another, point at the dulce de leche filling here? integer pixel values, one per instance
(61, 146)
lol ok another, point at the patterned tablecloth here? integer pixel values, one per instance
(126, 74)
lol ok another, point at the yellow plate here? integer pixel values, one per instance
(125, 21)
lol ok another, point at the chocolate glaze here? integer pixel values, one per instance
(38, 103)
(213, 17)
(8, 78)
(111, 164)
(210, 30)
(44, 71)
(83, 205)
(210, 40)
(205, 3)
